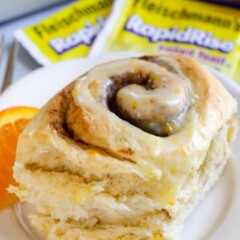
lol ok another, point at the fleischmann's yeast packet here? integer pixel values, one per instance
(208, 33)
(69, 33)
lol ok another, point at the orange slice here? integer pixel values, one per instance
(12, 122)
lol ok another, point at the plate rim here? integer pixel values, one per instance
(25, 80)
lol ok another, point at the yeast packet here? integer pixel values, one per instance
(208, 33)
(67, 34)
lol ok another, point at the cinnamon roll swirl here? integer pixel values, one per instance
(126, 150)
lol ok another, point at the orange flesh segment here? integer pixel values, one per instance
(12, 122)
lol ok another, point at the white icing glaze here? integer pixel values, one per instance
(156, 107)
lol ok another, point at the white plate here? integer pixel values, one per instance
(218, 215)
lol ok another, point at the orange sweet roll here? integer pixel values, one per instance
(126, 150)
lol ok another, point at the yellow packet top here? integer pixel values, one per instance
(208, 33)
(67, 34)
